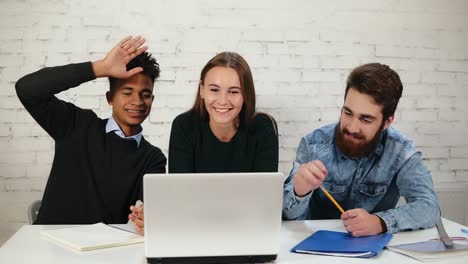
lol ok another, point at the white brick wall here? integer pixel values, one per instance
(300, 52)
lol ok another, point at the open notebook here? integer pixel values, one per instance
(91, 237)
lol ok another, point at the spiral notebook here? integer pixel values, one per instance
(92, 237)
(340, 244)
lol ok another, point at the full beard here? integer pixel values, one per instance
(356, 150)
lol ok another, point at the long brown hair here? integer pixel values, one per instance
(236, 62)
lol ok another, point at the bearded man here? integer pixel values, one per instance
(364, 163)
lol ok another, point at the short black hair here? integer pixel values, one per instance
(144, 60)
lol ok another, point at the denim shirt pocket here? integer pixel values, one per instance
(337, 191)
(372, 194)
(334, 187)
(373, 189)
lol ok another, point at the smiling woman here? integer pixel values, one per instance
(222, 132)
(222, 95)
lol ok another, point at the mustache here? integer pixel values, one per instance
(354, 135)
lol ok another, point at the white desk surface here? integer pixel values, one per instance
(27, 246)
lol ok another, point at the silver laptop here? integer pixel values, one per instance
(212, 218)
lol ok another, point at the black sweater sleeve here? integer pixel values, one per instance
(158, 164)
(181, 145)
(266, 154)
(37, 90)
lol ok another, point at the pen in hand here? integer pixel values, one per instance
(137, 217)
(331, 198)
(137, 204)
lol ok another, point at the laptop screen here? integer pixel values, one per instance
(215, 214)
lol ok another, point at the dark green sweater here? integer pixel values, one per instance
(95, 175)
(194, 148)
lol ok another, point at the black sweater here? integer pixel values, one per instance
(95, 175)
(194, 148)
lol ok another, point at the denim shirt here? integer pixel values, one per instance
(375, 183)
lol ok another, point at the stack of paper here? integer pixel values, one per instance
(91, 237)
(331, 243)
(431, 250)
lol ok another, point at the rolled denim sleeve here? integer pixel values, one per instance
(422, 209)
(294, 207)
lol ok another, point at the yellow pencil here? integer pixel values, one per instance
(331, 199)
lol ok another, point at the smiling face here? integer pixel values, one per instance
(360, 124)
(131, 102)
(222, 95)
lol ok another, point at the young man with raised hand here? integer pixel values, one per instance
(98, 167)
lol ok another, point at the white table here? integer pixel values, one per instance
(27, 246)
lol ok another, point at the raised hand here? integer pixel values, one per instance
(309, 177)
(115, 62)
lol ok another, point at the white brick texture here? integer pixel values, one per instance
(300, 53)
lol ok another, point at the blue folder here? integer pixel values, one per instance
(331, 243)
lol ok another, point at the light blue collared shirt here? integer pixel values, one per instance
(113, 126)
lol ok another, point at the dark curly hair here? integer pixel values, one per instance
(144, 60)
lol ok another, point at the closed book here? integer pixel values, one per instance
(91, 237)
(332, 243)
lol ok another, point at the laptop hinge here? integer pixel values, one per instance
(212, 260)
